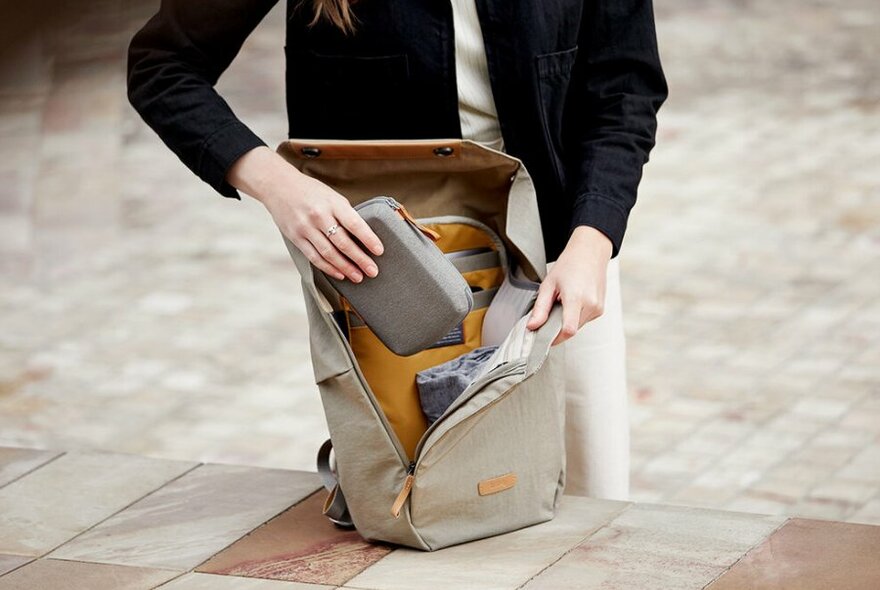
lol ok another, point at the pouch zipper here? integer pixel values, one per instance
(420, 225)
(398, 206)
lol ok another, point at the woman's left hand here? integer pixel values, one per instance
(577, 279)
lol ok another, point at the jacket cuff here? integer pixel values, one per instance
(603, 214)
(221, 150)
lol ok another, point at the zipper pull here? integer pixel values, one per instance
(404, 493)
(406, 215)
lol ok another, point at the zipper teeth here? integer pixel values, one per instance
(480, 411)
(376, 407)
(476, 386)
(391, 202)
(414, 463)
(442, 255)
(440, 220)
(411, 465)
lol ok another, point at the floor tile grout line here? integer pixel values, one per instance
(746, 552)
(166, 582)
(254, 529)
(46, 555)
(394, 549)
(604, 525)
(36, 467)
(126, 507)
(30, 560)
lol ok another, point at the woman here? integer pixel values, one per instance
(571, 87)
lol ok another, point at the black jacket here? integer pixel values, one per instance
(577, 85)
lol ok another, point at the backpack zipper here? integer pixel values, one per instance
(404, 493)
(483, 409)
(489, 377)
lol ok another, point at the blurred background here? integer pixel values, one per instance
(141, 312)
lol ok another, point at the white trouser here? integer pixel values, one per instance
(596, 411)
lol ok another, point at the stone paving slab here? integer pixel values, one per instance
(191, 518)
(10, 562)
(810, 555)
(15, 462)
(299, 545)
(75, 575)
(655, 546)
(76, 491)
(502, 562)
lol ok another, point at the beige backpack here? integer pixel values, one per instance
(495, 460)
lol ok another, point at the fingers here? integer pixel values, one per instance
(316, 259)
(543, 304)
(571, 316)
(331, 254)
(353, 222)
(577, 310)
(343, 252)
(342, 240)
(305, 215)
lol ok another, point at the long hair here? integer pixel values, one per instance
(337, 12)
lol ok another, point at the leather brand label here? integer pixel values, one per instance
(496, 484)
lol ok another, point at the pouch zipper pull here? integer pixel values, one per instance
(404, 493)
(406, 215)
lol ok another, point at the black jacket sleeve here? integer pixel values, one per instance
(174, 61)
(610, 121)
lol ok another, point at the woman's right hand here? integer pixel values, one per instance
(304, 208)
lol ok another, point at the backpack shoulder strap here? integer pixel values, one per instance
(335, 507)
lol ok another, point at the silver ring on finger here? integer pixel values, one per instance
(332, 229)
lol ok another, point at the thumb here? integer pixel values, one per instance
(543, 304)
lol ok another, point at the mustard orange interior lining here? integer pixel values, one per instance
(391, 377)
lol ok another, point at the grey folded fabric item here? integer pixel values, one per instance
(514, 299)
(441, 384)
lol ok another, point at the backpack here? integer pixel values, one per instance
(494, 461)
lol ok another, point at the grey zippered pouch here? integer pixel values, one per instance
(419, 296)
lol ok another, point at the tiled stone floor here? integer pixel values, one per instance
(89, 520)
(140, 312)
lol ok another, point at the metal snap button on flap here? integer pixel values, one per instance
(311, 152)
(443, 151)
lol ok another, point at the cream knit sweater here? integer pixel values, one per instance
(476, 105)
